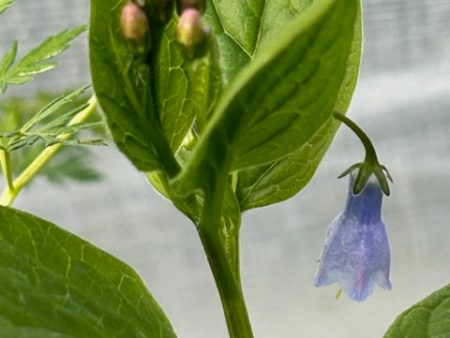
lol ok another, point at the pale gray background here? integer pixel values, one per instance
(402, 100)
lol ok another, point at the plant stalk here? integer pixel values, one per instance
(8, 196)
(229, 287)
(5, 163)
(371, 154)
(226, 278)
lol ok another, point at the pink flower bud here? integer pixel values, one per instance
(190, 31)
(134, 23)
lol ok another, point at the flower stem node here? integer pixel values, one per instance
(135, 26)
(199, 5)
(191, 34)
(356, 253)
(370, 166)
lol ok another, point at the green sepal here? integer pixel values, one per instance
(370, 166)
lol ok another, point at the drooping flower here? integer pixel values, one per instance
(356, 252)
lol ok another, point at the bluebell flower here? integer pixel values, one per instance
(356, 252)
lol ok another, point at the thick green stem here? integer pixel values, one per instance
(228, 285)
(226, 278)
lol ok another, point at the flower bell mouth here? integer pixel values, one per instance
(356, 253)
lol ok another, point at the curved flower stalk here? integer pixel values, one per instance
(370, 166)
(356, 253)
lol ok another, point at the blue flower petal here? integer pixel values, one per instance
(356, 253)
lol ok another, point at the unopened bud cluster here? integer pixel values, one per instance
(191, 33)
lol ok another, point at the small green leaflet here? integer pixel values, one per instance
(4, 4)
(37, 60)
(54, 284)
(429, 318)
(49, 124)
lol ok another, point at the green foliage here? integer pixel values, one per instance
(245, 125)
(429, 318)
(278, 109)
(69, 162)
(242, 126)
(4, 4)
(151, 104)
(288, 70)
(36, 61)
(49, 124)
(257, 141)
(54, 284)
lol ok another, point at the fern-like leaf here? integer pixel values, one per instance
(52, 122)
(37, 60)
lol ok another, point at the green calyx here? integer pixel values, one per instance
(370, 165)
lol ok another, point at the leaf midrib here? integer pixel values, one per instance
(225, 31)
(261, 22)
(256, 41)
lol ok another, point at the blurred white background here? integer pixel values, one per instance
(402, 101)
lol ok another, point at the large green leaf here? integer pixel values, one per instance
(282, 99)
(429, 318)
(281, 179)
(54, 284)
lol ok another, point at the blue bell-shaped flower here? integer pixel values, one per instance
(356, 253)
